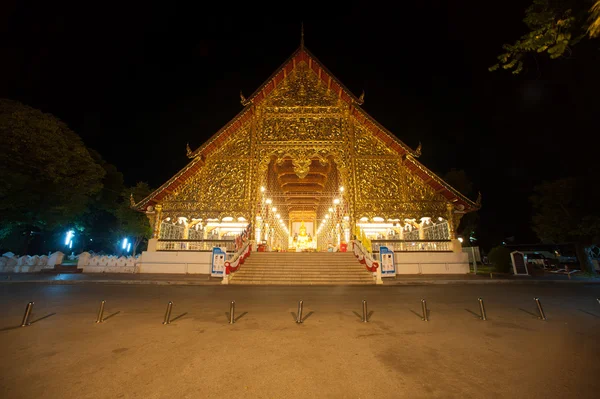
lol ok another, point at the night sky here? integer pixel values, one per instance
(139, 81)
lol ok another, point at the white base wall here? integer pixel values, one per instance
(431, 262)
(108, 269)
(184, 262)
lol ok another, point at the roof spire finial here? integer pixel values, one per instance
(302, 35)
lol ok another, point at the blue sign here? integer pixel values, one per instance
(219, 255)
(386, 262)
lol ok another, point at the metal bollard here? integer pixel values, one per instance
(168, 313)
(482, 308)
(542, 315)
(598, 299)
(424, 307)
(100, 317)
(299, 317)
(232, 312)
(25, 321)
(365, 314)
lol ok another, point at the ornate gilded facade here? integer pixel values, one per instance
(298, 136)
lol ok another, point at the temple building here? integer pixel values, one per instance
(303, 168)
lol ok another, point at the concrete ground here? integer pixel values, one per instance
(64, 354)
(205, 279)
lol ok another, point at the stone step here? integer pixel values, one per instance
(333, 280)
(302, 267)
(307, 276)
(293, 268)
(299, 283)
(304, 263)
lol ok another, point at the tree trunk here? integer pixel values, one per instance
(584, 258)
(27, 240)
(137, 242)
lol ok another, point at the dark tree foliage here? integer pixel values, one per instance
(554, 27)
(499, 257)
(566, 211)
(48, 175)
(131, 223)
(458, 179)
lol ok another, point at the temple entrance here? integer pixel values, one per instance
(302, 207)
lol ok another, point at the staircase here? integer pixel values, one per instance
(302, 268)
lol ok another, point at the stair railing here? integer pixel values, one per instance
(366, 259)
(233, 265)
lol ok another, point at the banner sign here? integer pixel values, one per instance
(386, 260)
(219, 255)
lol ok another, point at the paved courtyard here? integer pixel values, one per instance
(64, 354)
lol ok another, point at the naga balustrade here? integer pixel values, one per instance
(232, 265)
(364, 256)
(194, 245)
(413, 245)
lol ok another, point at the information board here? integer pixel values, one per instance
(386, 260)
(219, 255)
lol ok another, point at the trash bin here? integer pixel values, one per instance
(261, 247)
(343, 247)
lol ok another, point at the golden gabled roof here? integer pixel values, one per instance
(302, 54)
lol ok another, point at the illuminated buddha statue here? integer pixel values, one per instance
(302, 230)
(303, 239)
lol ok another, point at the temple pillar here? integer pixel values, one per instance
(186, 232)
(450, 218)
(152, 243)
(421, 231)
(157, 221)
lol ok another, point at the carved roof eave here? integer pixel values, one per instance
(390, 139)
(180, 176)
(449, 193)
(198, 156)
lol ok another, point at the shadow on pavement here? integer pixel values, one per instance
(42, 318)
(420, 316)
(9, 328)
(306, 316)
(109, 316)
(368, 315)
(590, 313)
(528, 312)
(237, 318)
(473, 313)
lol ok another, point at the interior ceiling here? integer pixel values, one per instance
(302, 194)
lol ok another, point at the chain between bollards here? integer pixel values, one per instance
(299, 317)
(167, 319)
(542, 315)
(424, 308)
(25, 321)
(232, 312)
(482, 309)
(100, 317)
(365, 314)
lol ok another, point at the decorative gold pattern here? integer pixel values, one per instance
(303, 120)
(302, 88)
(366, 144)
(307, 127)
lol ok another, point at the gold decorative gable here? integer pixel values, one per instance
(300, 116)
(367, 144)
(302, 88)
